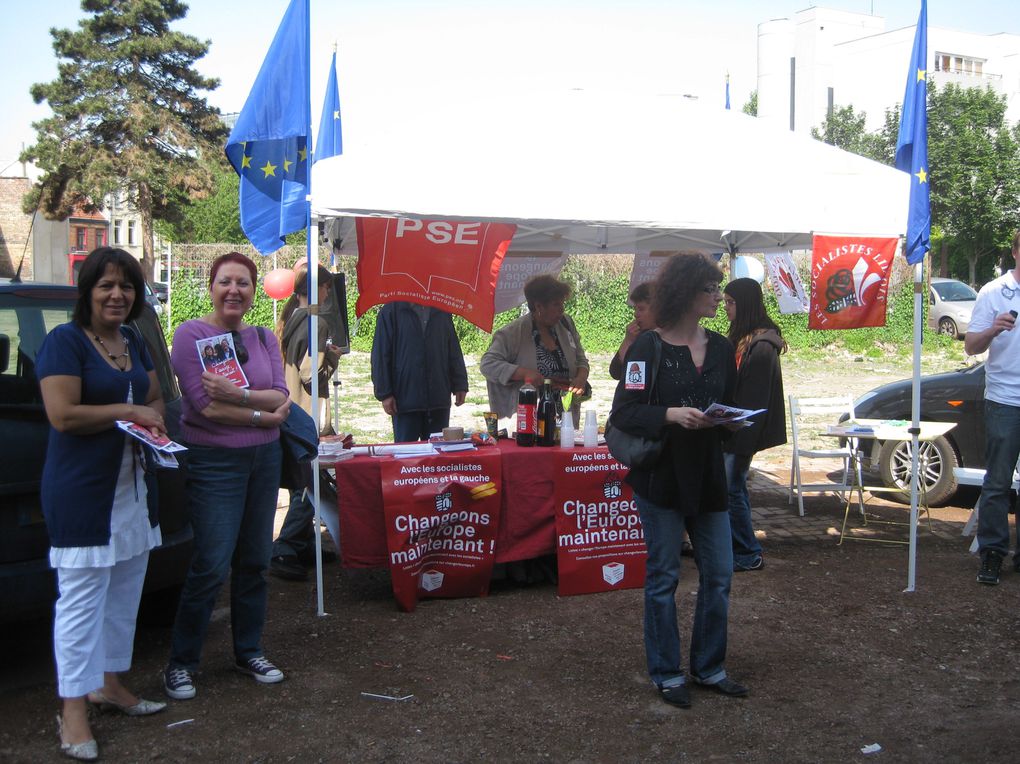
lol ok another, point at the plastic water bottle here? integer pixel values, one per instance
(591, 429)
(567, 430)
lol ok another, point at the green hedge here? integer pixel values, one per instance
(598, 305)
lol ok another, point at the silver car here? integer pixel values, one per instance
(950, 303)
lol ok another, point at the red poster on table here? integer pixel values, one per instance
(849, 281)
(600, 545)
(452, 266)
(442, 514)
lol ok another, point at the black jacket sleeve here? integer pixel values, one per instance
(382, 354)
(632, 412)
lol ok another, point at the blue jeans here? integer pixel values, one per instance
(1002, 446)
(232, 497)
(418, 425)
(710, 536)
(746, 549)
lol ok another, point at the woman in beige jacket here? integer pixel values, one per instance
(542, 344)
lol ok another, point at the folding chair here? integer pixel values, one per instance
(801, 408)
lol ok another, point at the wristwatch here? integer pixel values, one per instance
(256, 417)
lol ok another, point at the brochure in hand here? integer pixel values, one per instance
(162, 447)
(219, 356)
(721, 414)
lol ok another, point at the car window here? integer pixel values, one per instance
(953, 291)
(24, 324)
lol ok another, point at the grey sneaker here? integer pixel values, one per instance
(991, 564)
(260, 669)
(178, 683)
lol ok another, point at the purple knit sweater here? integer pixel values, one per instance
(264, 370)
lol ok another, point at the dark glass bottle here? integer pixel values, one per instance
(547, 416)
(527, 419)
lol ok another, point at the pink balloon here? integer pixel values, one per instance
(279, 283)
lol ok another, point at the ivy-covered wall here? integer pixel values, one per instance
(599, 308)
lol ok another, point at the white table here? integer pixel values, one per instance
(867, 430)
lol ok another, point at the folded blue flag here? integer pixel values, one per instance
(268, 147)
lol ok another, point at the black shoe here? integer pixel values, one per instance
(991, 564)
(757, 564)
(308, 560)
(677, 695)
(288, 568)
(728, 687)
(1016, 562)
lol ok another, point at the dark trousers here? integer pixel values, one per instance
(297, 536)
(418, 425)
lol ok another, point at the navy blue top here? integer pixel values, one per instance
(80, 473)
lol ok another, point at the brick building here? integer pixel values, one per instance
(15, 228)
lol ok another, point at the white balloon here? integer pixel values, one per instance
(745, 267)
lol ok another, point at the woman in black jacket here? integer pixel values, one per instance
(758, 342)
(686, 489)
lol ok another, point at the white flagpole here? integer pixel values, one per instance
(915, 422)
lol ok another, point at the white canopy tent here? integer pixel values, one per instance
(594, 173)
(597, 173)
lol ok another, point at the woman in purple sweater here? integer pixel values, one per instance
(234, 459)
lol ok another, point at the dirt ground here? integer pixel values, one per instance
(837, 657)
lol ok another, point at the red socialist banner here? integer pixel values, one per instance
(600, 545)
(453, 266)
(849, 281)
(442, 514)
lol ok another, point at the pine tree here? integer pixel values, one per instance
(127, 116)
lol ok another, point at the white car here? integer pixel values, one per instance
(950, 303)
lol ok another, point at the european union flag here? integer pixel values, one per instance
(330, 141)
(727, 91)
(268, 146)
(912, 145)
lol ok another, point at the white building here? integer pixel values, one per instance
(823, 58)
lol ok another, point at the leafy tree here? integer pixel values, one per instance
(844, 129)
(215, 218)
(751, 107)
(126, 115)
(975, 172)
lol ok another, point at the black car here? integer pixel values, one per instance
(956, 396)
(28, 311)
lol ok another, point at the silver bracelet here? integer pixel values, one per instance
(245, 395)
(256, 417)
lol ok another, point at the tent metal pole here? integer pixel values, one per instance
(915, 419)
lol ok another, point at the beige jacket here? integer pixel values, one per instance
(513, 346)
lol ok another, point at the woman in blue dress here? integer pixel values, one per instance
(93, 372)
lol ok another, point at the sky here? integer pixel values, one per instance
(399, 55)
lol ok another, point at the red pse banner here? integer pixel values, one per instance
(849, 281)
(453, 266)
(600, 545)
(442, 514)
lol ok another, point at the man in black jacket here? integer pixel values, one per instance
(417, 364)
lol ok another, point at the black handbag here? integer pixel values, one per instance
(637, 451)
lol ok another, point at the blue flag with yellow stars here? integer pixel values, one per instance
(268, 146)
(329, 142)
(912, 145)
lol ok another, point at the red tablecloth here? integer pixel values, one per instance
(527, 526)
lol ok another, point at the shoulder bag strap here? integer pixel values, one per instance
(654, 373)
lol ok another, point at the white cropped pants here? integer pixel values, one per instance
(94, 623)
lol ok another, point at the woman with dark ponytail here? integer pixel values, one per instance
(758, 342)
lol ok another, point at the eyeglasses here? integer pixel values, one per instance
(711, 289)
(1008, 293)
(239, 349)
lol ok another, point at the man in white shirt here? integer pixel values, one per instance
(991, 329)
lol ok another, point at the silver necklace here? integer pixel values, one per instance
(120, 360)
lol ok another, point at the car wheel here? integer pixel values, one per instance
(936, 461)
(948, 326)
